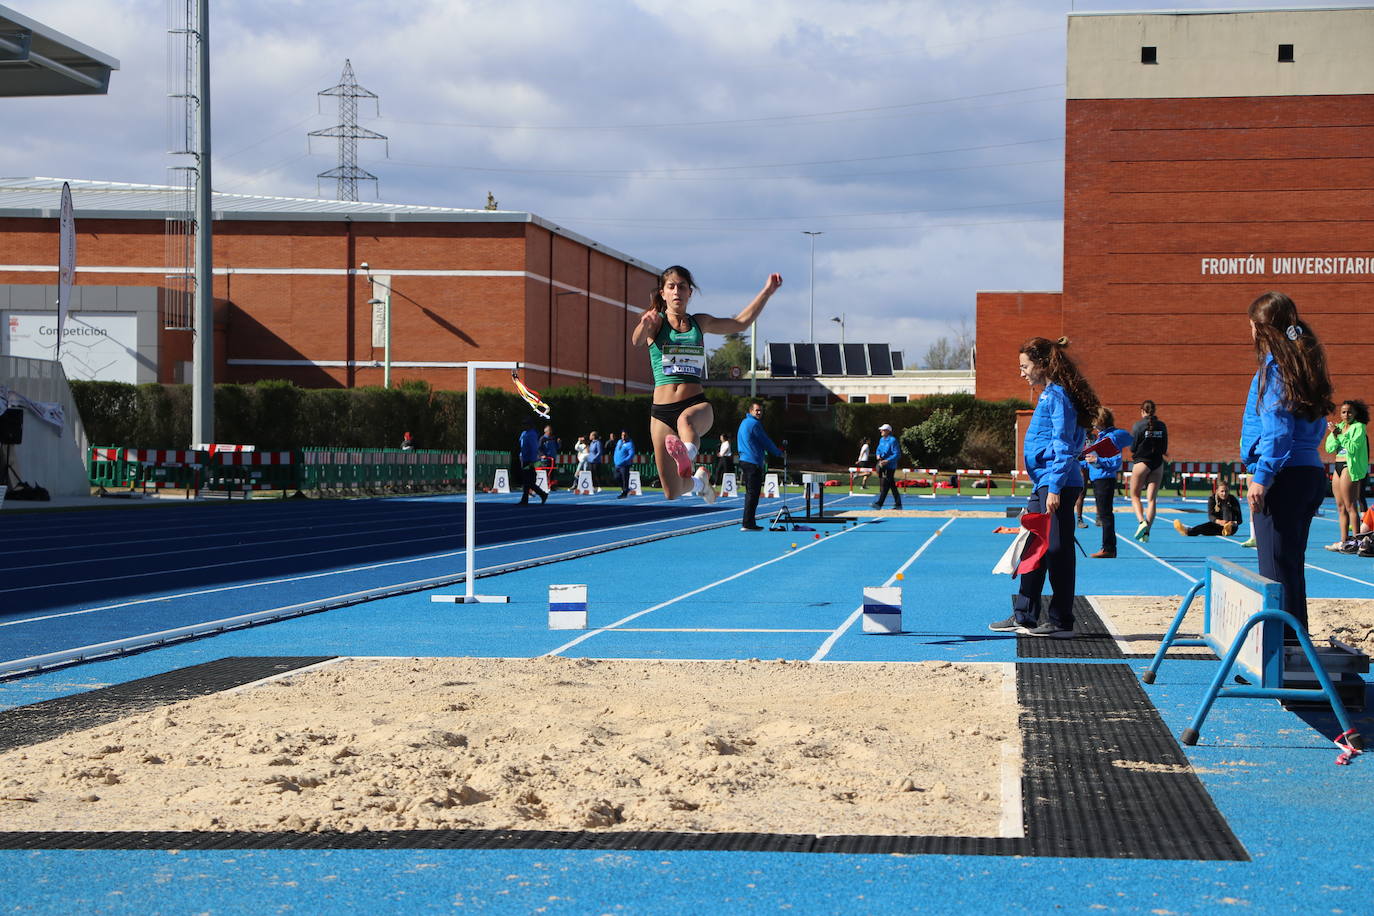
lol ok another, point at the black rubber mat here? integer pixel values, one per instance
(1102, 778)
(26, 725)
(1093, 640)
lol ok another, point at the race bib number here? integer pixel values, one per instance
(679, 360)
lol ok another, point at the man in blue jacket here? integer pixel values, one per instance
(529, 456)
(888, 454)
(624, 460)
(754, 447)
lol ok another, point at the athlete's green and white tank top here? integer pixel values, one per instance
(678, 356)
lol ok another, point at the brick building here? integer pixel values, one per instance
(1209, 157)
(292, 299)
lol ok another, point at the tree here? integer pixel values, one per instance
(947, 353)
(733, 352)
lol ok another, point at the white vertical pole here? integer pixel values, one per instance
(470, 535)
(203, 379)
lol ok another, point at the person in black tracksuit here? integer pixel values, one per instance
(1223, 515)
(1148, 451)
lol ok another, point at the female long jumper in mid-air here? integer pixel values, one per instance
(680, 414)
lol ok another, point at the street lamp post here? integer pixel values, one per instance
(812, 321)
(840, 322)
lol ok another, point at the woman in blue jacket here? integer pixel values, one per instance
(1053, 443)
(1284, 422)
(1102, 473)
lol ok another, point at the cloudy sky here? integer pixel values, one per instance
(924, 140)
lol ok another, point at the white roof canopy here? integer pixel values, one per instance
(38, 60)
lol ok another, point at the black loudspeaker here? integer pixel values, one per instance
(12, 426)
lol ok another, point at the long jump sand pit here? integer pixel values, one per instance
(1141, 621)
(550, 744)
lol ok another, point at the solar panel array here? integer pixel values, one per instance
(806, 360)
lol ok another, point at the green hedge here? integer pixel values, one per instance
(276, 416)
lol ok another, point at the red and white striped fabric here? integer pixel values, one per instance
(163, 457)
(1198, 468)
(215, 448)
(104, 454)
(253, 459)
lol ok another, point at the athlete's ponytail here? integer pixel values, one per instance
(1059, 368)
(1147, 407)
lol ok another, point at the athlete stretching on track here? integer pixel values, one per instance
(680, 413)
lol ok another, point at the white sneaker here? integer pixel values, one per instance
(703, 486)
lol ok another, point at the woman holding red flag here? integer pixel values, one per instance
(1054, 440)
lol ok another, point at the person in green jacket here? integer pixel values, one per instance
(1349, 443)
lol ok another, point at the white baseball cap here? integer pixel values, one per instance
(886, 427)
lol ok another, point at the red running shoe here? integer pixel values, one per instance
(677, 450)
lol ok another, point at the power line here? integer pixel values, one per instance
(614, 173)
(772, 119)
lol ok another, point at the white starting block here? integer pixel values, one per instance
(728, 486)
(567, 607)
(500, 483)
(584, 484)
(541, 479)
(770, 487)
(635, 488)
(882, 609)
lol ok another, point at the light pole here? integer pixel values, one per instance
(840, 322)
(812, 322)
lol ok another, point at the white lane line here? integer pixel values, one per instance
(696, 591)
(337, 572)
(1329, 572)
(282, 675)
(1164, 563)
(706, 630)
(1012, 823)
(312, 553)
(835, 634)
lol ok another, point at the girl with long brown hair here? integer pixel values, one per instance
(680, 414)
(1284, 421)
(1054, 440)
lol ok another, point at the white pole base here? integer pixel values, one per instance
(470, 599)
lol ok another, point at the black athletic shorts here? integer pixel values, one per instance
(669, 413)
(1337, 468)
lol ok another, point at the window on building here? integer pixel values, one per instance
(899, 399)
(1285, 54)
(818, 402)
(1149, 54)
(858, 399)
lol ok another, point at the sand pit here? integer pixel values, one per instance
(1141, 621)
(548, 744)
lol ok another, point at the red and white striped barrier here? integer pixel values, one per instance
(986, 475)
(1197, 470)
(246, 457)
(934, 474)
(155, 459)
(217, 448)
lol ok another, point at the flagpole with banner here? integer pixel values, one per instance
(66, 264)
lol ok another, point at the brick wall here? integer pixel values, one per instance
(1155, 186)
(1004, 322)
(294, 290)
